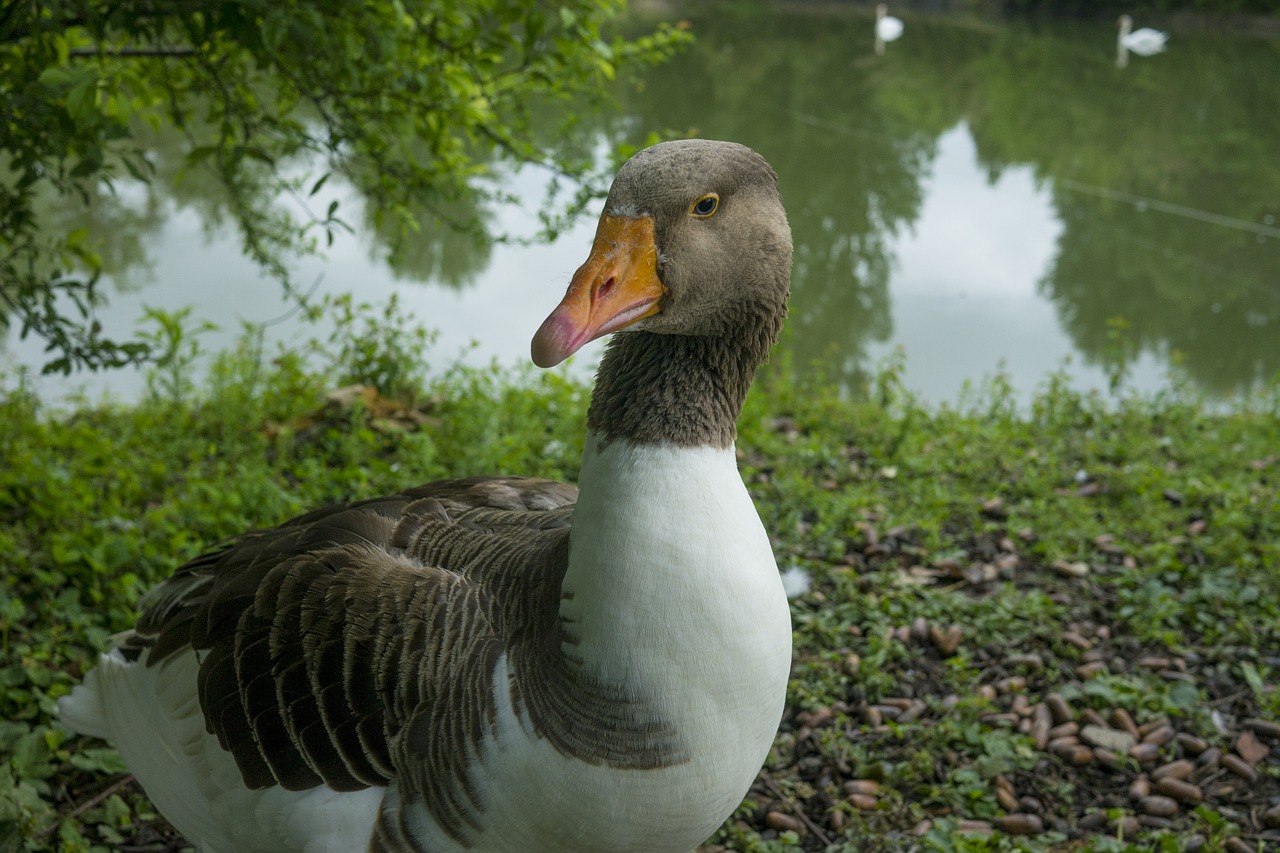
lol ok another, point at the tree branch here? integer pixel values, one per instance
(151, 52)
(117, 787)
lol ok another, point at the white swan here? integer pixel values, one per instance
(1144, 41)
(888, 28)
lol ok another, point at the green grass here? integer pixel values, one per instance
(902, 514)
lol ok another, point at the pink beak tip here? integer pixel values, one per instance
(549, 346)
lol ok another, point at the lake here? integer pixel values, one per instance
(983, 197)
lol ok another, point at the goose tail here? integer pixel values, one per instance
(82, 709)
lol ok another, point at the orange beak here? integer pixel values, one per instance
(617, 286)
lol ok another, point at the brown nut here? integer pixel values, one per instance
(1266, 728)
(862, 786)
(783, 822)
(1151, 725)
(1080, 756)
(1210, 757)
(862, 802)
(973, 827)
(1122, 720)
(1058, 706)
(1191, 743)
(1063, 745)
(1158, 806)
(1007, 800)
(1127, 826)
(1067, 729)
(1107, 757)
(1020, 824)
(1240, 767)
(1180, 790)
(1180, 769)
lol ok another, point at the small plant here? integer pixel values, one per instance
(1119, 352)
(385, 350)
(961, 570)
(174, 339)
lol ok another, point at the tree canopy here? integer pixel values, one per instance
(409, 100)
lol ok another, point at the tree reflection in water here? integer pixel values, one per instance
(1163, 177)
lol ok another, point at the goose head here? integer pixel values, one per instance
(693, 241)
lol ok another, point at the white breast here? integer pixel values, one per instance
(674, 589)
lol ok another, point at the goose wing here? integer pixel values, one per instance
(360, 639)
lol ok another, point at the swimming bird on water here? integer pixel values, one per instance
(888, 28)
(503, 663)
(1144, 41)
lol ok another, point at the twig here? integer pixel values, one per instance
(297, 306)
(115, 788)
(800, 813)
(1229, 698)
(147, 52)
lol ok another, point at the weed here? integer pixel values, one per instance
(1108, 533)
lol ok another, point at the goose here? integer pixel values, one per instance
(503, 663)
(888, 28)
(1144, 41)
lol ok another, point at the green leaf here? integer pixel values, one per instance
(1184, 696)
(82, 96)
(99, 760)
(201, 153)
(32, 758)
(1252, 677)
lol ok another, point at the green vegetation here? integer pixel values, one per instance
(1115, 7)
(1130, 158)
(410, 102)
(1161, 174)
(967, 562)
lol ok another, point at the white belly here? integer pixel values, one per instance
(152, 716)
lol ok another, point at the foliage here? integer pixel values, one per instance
(1160, 174)
(1129, 160)
(409, 101)
(100, 503)
(385, 351)
(1115, 7)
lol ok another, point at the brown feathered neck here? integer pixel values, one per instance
(686, 390)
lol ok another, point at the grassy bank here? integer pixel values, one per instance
(980, 575)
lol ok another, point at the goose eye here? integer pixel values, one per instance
(706, 205)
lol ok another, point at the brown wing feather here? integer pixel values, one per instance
(352, 639)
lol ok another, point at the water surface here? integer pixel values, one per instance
(985, 196)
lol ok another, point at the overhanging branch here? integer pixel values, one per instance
(146, 52)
